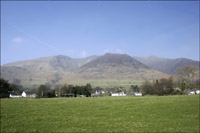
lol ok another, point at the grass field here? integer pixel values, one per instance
(107, 114)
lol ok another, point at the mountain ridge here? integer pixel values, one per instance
(168, 66)
(115, 66)
(62, 69)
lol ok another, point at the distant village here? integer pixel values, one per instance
(181, 85)
(98, 93)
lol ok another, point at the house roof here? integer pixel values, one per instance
(14, 93)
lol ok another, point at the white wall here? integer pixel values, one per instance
(23, 94)
(118, 94)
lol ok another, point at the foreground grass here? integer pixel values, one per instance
(109, 114)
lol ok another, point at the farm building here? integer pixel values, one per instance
(194, 92)
(23, 94)
(99, 92)
(14, 95)
(118, 94)
(138, 94)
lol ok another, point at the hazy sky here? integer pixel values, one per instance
(79, 29)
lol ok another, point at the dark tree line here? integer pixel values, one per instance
(134, 88)
(159, 87)
(6, 88)
(64, 91)
(67, 90)
(45, 91)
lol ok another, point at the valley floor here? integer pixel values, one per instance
(107, 114)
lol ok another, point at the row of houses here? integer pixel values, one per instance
(122, 93)
(194, 92)
(96, 94)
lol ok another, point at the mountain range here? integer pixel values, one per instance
(168, 66)
(107, 70)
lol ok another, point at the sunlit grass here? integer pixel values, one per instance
(108, 114)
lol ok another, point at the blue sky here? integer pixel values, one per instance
(79, 29)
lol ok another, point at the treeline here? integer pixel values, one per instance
(168, 87)
(45, 91)
(64, 91)
(6, 88)
(159, 87)
(184, 81)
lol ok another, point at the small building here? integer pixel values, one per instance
(100, 92)
(14, 95)
(118, 94)
(23, 94)
(191, 92)
(138, 94)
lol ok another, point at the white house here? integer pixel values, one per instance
(23, 94)
(138, 94)
(100, 92)
(191, 93)
(12, 95)
(194, 92)
(118, 94)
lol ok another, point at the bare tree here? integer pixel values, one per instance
(186, 75)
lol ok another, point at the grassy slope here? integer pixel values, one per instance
(42, 70)
(106, 83)
(117, 114)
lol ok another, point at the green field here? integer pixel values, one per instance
(107, 114)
